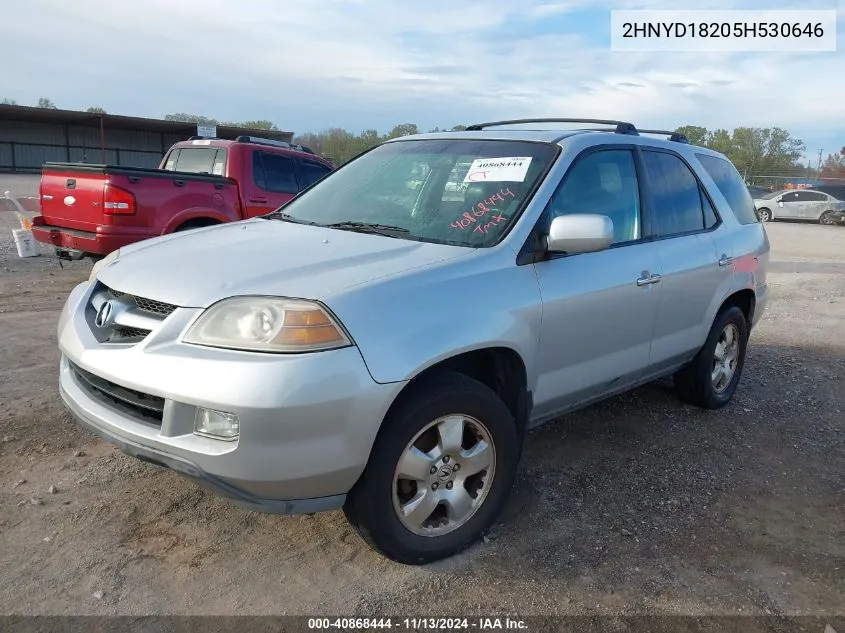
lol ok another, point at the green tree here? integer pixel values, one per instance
(834, 165)
(261, 124)
(403, 129)
(44, 102)
(96, 110)
(184, 117)
(696, 134)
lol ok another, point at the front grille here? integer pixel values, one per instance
(147, 305)
(121, 334)
(135, 403)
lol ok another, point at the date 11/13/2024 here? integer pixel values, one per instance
(484, 215)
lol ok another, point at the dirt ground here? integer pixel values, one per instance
(639, 505)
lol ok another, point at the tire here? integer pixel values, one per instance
(374, 504)
(765, 215)
(695, 383)
(827, 218)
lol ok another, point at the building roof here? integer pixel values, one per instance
(117, 121)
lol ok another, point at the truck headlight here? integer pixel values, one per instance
(99, 265)
(267, 324)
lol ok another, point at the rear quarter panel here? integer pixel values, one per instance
(163, 204)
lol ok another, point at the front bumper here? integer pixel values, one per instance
(307, 421)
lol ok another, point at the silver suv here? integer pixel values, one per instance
(383, 342)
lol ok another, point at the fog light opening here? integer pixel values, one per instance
(216, 424)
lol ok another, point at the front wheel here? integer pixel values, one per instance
(439, 473)
(710, 379)
(765, 215)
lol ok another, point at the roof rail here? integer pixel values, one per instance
(678, 137)
(269, 141)
(261, 141)
(622, 127)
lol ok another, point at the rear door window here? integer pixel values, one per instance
(312, 172)
(274, 172)
(731, 185)
(675, 193)
(197, 160)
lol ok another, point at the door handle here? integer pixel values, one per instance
(647, 279)
(726, 261)
(258, 199)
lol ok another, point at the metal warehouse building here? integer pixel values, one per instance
(30, 137)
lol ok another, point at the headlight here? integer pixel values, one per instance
(98, 266)
(267, 324)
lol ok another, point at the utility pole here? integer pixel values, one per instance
(819, 170)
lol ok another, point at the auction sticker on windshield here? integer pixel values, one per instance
(505, 169)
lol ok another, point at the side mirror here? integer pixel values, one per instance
(580, 233)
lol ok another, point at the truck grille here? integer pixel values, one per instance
(134, 403)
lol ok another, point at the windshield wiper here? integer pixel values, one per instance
(281, 215)
(369, 227)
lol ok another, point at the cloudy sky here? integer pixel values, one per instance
(311, 64)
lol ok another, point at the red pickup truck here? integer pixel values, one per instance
(95, 209)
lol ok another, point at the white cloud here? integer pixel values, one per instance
(375, 63)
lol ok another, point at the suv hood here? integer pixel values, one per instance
(267, 257)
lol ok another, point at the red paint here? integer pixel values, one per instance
(77, 216)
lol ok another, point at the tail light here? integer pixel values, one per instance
(117, 201)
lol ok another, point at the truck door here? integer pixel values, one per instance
(272, 183)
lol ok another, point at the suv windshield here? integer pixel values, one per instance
(464, 192)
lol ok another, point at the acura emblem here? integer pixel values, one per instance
(104, 315)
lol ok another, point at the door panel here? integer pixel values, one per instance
(271, 182)
(691, 278)
(597, 320)
(790, 207)
(597, 324)
(694, 265)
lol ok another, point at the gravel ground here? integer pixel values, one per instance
(638, 505)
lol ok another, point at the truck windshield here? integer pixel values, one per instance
(463, 192)
(197, 160)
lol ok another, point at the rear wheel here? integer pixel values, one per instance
(711, 378)
(440, 471)
(827, 218)
(765, 215)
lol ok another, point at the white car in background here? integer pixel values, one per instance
(801, 204)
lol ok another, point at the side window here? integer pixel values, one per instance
(676, 195)
(791, 196)
(604, 182)
(274, 172)
(731, 186)
(313, 172)
(812, 196)
(710, 217)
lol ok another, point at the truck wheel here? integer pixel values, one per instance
(439, 472)
(710, 379)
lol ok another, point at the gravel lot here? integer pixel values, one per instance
(639, 505)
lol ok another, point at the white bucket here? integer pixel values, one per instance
(25, 243)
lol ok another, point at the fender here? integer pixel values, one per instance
(437, 318)
(193, 214)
